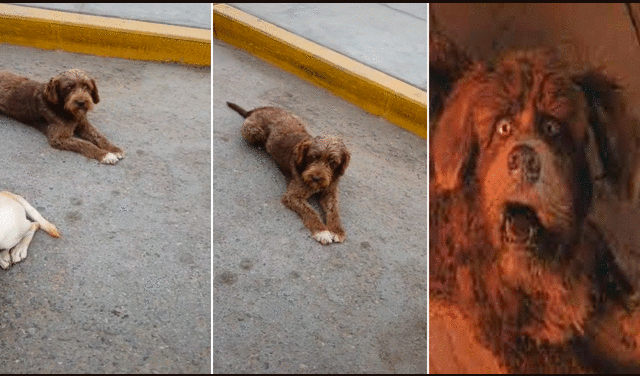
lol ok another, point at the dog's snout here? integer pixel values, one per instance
(524, 163)
(316, 178)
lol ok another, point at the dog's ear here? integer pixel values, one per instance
(51, 90)
(346, 157)
(605, 107)
(454, 135)
(94, 92)
(300, 152)
(447, 64)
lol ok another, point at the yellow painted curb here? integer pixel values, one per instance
(104, 36)
(374, 91)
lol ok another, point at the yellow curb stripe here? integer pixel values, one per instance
(374, 91)
(104, 36)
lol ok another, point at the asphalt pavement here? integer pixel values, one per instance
(127, 288)
(281, 301)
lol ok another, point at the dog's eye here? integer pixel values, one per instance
(551, 127)
(505, 127)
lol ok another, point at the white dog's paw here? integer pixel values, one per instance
(119, 155)
(110, 158)
(5, 259)
(324, 237)
(19, 253)
(337, 238)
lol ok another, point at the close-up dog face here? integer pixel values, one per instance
(75, 90)
(321, 161)
(519, 131)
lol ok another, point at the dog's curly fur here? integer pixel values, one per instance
(59, 109)
(509, 243)
(447, 64)
(313, 165)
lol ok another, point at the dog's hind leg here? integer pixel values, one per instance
(19, 252)
(5, 259)
(255, 131)
(48, 227)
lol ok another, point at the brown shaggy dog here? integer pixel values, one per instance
(509, 242)
(313, 165)
(59, 109)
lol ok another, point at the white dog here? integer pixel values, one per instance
(16, 231)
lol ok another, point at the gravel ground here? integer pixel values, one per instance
(281, 301)
(127, 287)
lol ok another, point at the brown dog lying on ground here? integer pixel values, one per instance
(510, 245)
(312, 165)
(59, 109)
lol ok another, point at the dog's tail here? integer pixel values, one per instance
(240, 110)
(48, 227)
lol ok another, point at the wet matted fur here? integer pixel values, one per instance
(509, 243)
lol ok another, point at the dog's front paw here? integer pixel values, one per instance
(323, 237)
(5, 259)
(338, 238)
(117, 152)
(110, 158)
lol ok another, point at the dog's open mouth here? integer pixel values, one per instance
(521, 225)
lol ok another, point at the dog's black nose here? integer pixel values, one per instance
(316, 178)
(524, 163)
(81, 103)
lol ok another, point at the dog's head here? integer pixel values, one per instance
(74, 90)
(321, 161)
(517, 134)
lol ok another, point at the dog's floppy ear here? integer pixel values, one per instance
(300, 151)
(447, 63)
(454, 135)
(604, 108)
(94, 92)
(51, 90)
(346, 157)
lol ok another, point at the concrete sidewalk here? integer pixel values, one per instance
(127, 288)
(183, 14)
(391, 38)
